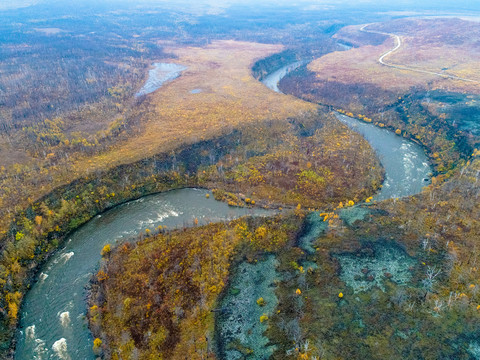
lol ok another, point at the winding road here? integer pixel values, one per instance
(398, 44)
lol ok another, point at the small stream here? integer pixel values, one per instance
(53, 324)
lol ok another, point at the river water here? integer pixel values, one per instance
(406, 166)
(406, 173)
(53, 324)
(407, 169)
(159, 75)
(271, 81)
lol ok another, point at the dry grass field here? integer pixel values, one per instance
(446, 46)
(229, 96)
(414, 90)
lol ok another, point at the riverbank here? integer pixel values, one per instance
(41, 224)
(353, 262)
(437, 117)
(191, 269)
(303, 174)
(327, 297)
(307, 134)
(282, 279)
(44, 226)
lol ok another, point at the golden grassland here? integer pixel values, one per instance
(450, 46)
(443, 46)
(361, 65)
(230, 96)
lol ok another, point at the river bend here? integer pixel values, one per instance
(53, 323)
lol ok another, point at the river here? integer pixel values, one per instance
(407, 169)
(406, 166)
(53, 324)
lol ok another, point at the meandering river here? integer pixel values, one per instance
(407, 169)
(406, 166)
(53, 324)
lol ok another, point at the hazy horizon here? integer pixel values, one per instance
(439, 5)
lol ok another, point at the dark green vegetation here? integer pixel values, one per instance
(274, 62)
(460, 110)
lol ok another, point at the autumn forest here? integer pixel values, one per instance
(232, 180)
